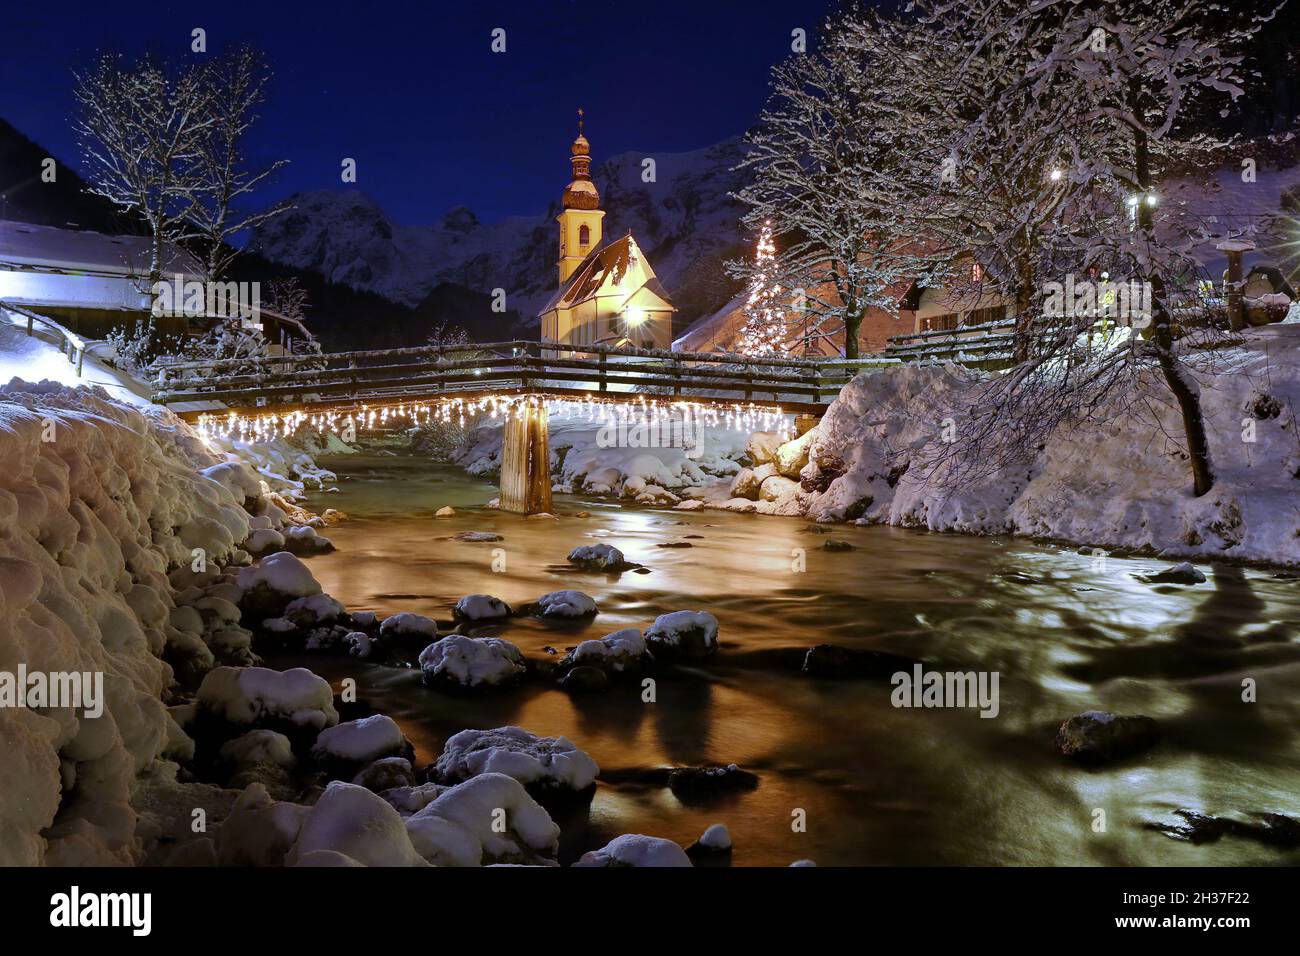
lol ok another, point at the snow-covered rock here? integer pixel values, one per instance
(597, 557)
(259, 746)
(471, 662)
(360, 741)
(634, 849)
(259, 831)
(313, 610)
(481, 607)
(568, 605)
(251, 695)
(272, 583)
(615, 653)
(408, 625)
(353, 821)
(547, 763)
(685, 634)
(761, 447)
(489, 818)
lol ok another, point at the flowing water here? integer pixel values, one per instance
(878, 785)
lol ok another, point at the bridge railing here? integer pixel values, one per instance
(511, 367)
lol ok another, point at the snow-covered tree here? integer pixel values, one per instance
(236, 84)
(764, 331)
(818, 167)
(140, 128)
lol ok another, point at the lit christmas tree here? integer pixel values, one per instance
(764, 331)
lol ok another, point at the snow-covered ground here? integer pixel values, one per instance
(1119, 484)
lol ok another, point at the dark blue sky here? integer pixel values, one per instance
(414, 93)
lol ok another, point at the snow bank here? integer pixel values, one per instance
(1119, 484)
(553, 762)
(98, 502)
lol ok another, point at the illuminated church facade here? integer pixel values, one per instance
(607, 294)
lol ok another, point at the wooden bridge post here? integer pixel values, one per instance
(526, 462)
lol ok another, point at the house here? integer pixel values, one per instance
(607, 293)
(92, 283)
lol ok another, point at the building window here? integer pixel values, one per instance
(976, 272)
(584, 236)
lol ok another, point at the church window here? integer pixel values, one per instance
(584, 235)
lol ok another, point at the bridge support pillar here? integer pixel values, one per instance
(525, 461)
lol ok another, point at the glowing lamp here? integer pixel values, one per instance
(635, 317)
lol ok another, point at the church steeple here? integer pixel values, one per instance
(580, 217)
(581, 193)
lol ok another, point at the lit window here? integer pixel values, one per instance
(976, 272)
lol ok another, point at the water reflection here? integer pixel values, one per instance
(879, 785)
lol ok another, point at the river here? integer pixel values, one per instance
(876, 784)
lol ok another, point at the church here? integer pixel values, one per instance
(608, 294)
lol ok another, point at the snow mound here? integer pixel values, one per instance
(487, 819)
(360, 741)
(407, 624)
(351, 820)
(249, 695)
(634, 849)
(471, 662)
(93, 522)
(553, 762)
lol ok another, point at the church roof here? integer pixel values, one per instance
(603, 273)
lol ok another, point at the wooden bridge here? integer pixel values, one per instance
(308, 383)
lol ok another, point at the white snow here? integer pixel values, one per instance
(617, 652)
(481, 607)
(634, 849)
(351, 820)
(516, 753)
(408, 624)
(471, 661)
(694, 633)
(460, 826)
(281, 573)
(716, 837)
(565, 604)
(360, 741)
(246, 695)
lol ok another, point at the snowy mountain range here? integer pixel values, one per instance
(685, 221)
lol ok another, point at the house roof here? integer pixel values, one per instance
(29, 246)
(604, 272)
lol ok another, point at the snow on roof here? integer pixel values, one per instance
(617, 268)
(27, 245)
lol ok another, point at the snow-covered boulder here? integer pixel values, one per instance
(258, 695)
(683, 634)
(793, 455)
(259, 746)
(481, 607)
(565, 605)
(272, 583)
(598, 557)
(715, 842)
(472, 663)
(407, 625)
(761, 447)
(746, 484)
(1184, 573)
(314, 610)
(634, 849)
(489, 818)
(303, 539)
(387, 773)
(778, 488)
(264, 541)
(355, 743)
(259, 831)
(353, 821)
(544, 765)
(621, 652)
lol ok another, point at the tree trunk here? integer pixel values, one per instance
(1162, 337)
(852, 323)
(1024, 299)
